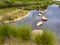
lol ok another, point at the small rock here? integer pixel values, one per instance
(39, 14)
(43, 11)
(39, 23)
(44, 18)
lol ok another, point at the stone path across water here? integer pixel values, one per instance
(53, 15)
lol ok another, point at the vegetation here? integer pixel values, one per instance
(12, 9)
(57, 2)
(8, 6)
(22, 3)
(9, 14)
(5, 11)
(23, 33)
(47, 38)
(7, 31)
(25, 3)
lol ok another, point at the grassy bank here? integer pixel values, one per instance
(23, 3)
(9, 14)
(22, 35)
(7, 3)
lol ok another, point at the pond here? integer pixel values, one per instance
(53, 22)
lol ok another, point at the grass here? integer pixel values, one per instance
(6, 10)
(9, 14)
(22, 32)
(22, 35)
(47, 38)
(7, 30)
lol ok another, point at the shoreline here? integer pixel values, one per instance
(17, 19)
(20, 18)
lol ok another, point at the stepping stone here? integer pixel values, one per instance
(39, 14)
(39, 23)
(45, 11)
(36, 32)
(42, 12)
(44, 18)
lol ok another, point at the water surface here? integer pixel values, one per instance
(53, 15)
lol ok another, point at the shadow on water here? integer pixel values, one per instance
(53, 15)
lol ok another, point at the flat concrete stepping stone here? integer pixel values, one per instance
(39, 23)
(45, 11)
(40, 14)
(44, 18)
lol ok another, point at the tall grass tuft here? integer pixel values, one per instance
(24, 32)
(7, 31)
(47, 38)
(37, 39)
(1, 35)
